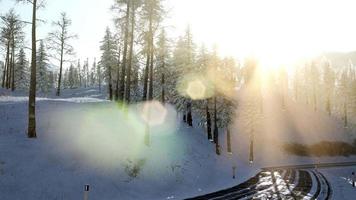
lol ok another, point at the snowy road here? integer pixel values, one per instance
(278, 184)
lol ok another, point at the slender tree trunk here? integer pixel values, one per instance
(12, 83)
(32, 95)
(145, 79)
(6, 67)
(189, 114)
(110, 84)
(9, 68)
(150, 87)
(13, 65)
(251, 156)
(208, 121)
(124, 58)
(4, 75)
(163, 88)
(80, 74)
(118, 76)
(228, 139)
(8, 72)
(345, 114)
(13, 75)
(60, 68)
(129, 66)
(216, 131)
(88, 76)
(99, 75)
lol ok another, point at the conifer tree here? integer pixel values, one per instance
(11, 37)
(108, 59)
(42, 69)
(22, 70)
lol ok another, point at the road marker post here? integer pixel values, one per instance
(233, 171)
(86, 192)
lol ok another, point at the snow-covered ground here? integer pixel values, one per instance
(340, 181)
(85, 139)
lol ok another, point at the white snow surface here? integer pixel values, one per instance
(85, 139)
(340, 181)
(93, 141)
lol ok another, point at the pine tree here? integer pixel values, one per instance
(108, 59)
(151, 15)
(2, 67)
(71, 77)
(42, 69)
(22, 74)
(345, 93)
(124, 5)
(314, 73)
(329, 84)
(162, 56)
(134, 6)
(11, 36)
(184, 64)
(80, 76)
(98, 74)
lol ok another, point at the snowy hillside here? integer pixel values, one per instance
(84, 139)
(87, 140)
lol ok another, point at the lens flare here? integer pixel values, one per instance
(153, 113)
(196, 90)
(109, 136)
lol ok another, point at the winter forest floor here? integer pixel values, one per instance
(85, 139)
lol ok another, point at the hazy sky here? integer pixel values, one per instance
(267, 29)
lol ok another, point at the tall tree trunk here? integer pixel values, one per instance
(251, 156)
(118, 76)
(110, 84)
(60, 65)
(99, 74)
(345, 114)
(163, 88)
(124, 58)
(80, 74)
(13, 65)
(208, 121)
(145, 78)
(9, 68)
(9, 71)
(129, 67)
(189, 114)
(216, 131)
(88, 76)
(228, 140)
(6, 67)
(32, 95)
(150, 87)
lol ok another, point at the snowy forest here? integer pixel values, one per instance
(225, 97)
(139, 62)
